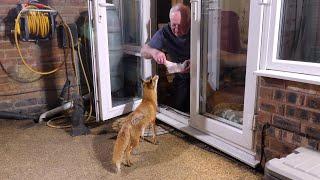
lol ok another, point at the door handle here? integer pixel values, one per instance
(212, 1)
(105, 4)
(213, 9)
(194, 4)
(215, 4)
(264, 2)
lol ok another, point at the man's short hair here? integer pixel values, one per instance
(183, 9)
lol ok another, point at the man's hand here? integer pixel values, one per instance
(186, 64)
(149, 52)
(159, 57)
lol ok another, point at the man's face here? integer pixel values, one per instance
(179, 25)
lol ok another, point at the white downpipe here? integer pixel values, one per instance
(56, 110)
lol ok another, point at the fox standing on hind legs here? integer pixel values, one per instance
(135, 124)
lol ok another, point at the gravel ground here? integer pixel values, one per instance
(35, 151)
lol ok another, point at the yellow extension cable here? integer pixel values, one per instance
(49, 123)
(38, 24)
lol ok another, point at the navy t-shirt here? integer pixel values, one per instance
(178, 48)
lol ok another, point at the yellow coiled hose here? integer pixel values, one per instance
(39, 25)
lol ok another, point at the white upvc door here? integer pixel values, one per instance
(235, 139)
(117, 33)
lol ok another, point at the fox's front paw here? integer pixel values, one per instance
(117, 169)
(128, 163)
(155, 142)
(142, 138)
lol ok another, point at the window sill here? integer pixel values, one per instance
(304, 78)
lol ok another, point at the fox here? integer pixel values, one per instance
(135, 123)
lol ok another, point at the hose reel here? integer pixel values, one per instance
(36, 22)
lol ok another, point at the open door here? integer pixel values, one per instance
(224, 57)
(225, 46)
(119, 29)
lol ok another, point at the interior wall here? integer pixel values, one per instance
(21, 90)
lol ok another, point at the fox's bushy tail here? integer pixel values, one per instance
(120, 145)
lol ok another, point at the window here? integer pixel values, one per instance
(292, 39)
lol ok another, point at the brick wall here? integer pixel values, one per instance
(293, 106)
(20, 89)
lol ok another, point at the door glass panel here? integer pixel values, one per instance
(125, 69)
(299, 38)
(125, 80)
(224, 40)
(131, 21)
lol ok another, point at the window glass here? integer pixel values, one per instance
(131, 22)
(299, 37)
(224, 37)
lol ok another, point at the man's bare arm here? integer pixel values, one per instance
(149, 52)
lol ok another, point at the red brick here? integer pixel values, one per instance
(279, 95)
(292, 97)
(264, 117)
(313, 144)
(280, 109)
(271, 153)
(9, 2)
(297, 139)
(1, 54)
(313, 102)
(257, 137)
(271, 82)
(303, 87)
(278, 133)
(4, 80)
(287, 137)
(281, 147)
(286, 124)
(315, 117)
(267, 106)
(306, 125)
(301, 100)
(14, 53)
(265, 93)
(297, 113)
(7, 45)
(313, 132)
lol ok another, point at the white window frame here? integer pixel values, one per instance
(271, 23)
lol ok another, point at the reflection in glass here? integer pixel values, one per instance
(125, 80)
(131, 21)
(224, 39)
(125, 70)
(299, 38)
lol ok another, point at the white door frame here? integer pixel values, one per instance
(101, 67)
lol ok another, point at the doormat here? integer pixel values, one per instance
(160, 128)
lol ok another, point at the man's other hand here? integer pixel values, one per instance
(186, 65)
(159, 57)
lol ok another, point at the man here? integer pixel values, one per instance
(174, 40)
